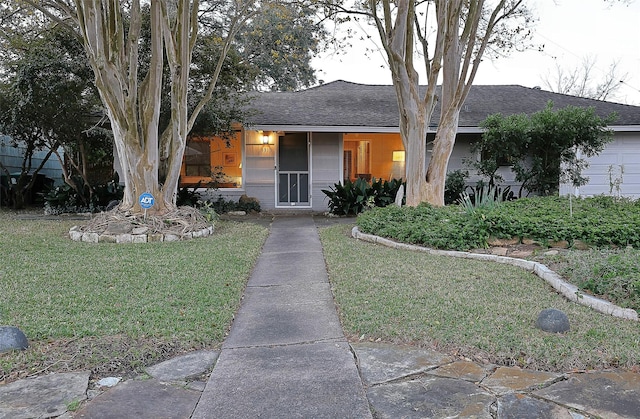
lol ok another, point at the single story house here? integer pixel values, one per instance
(298, 143)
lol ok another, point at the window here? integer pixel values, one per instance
(197, 158)
(371, 155)
(213, 162)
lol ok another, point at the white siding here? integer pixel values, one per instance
(325, 165)
(622, 152)
(259, 169)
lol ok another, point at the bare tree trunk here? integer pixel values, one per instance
(437, 170)
(413, 135)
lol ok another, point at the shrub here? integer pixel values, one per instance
(484, 197)
(188, 197)
(223, 206)
(601, 221)
(443, 228)
(352, 198)
(65, 198)
(454, 186)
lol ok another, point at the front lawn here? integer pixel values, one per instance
(112, 307)
(478, 310)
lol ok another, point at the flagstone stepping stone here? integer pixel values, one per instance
(379, 363)
(46, 396)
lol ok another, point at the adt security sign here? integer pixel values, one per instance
(146, 200)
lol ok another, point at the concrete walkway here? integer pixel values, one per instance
(286, 355)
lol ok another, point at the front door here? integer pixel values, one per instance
(293, 170)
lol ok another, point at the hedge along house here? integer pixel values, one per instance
(298, 143)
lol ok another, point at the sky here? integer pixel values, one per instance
(570, 30)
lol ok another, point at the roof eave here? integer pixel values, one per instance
(322, 128)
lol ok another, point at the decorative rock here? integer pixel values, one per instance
(553, 321)
(580, 245)
(237, 213)
(522, 254)
(108, 381)
(139, 238)
(12, 338)
(562, 244)
(139, 234)
(90, 237)
(499, 251)
(75, 235)
(493, 241)
(124, 238)
(171, 238)
(158, 237)
(139, 230)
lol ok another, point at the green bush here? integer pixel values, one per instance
(454, 186)
(600, 221)
(64, 198)
(223, 206)
(352, 198)
(443, 228)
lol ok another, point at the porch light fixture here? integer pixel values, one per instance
(397, 155)
(265, 138)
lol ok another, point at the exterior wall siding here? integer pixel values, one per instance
(11, 158)
(621, 157)
(326, 166)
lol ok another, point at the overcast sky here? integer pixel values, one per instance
(570, 30)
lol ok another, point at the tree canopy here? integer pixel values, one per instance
(544, 148)
(48, 103)
(131, 74)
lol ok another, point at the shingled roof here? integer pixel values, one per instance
(346, 104)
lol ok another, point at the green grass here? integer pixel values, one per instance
(138, 297)
(476, 309)
(612, 274)
(605, 223)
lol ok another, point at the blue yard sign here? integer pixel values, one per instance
(146, 200)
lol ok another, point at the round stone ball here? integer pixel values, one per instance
(553, 321)
(12, 338)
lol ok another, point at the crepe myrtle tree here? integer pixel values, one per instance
(131, 88)
(450, 38)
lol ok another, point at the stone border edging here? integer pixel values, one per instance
(569, 291)
(89, 237)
